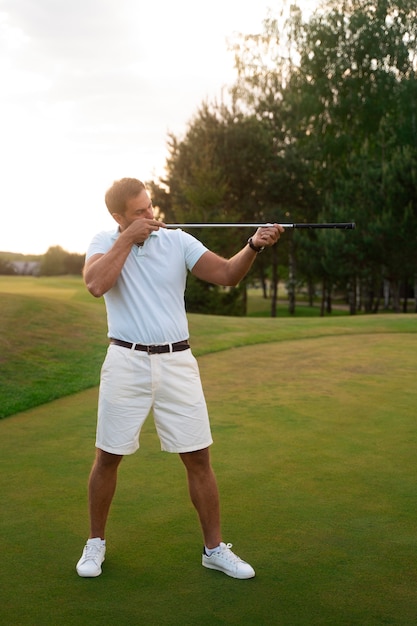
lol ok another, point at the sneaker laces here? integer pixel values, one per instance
(227, 553)
(92, 552)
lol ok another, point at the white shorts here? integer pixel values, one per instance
(133, 382)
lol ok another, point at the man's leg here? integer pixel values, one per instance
(204, 494)
(205, 497)
(101, 488)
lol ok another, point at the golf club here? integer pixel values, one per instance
(340, 225)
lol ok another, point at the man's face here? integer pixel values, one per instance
(137, 208)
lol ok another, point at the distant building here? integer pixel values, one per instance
(26, 268)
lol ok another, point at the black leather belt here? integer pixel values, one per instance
(170, 347)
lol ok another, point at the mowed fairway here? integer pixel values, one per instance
(315, 453)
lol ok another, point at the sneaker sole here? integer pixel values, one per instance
(97, 573)
(89, 575)
(231, 574)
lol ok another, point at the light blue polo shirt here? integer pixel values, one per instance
(146, 305)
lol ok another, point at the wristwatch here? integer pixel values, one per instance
(256, 249)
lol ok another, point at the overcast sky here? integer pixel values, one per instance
(89, 91)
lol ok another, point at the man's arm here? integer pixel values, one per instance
(102, 270)
(229, 272)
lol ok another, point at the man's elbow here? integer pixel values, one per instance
(233, 282)
(95, 289)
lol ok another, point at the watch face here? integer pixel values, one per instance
(255, 248)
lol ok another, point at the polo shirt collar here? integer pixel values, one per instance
(116, 233)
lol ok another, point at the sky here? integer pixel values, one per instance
(89, 90)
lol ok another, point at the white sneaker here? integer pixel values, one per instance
(89, 565)
(228, 562)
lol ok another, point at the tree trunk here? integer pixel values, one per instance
(415, 293)
(395, 296)
(245, 297)
(359, 298)
(376, 305)
(291, 276)
(310, 287)
(329, 300)
(264, 283)
(274, 281)
(386, 294)
(405, 301)
(352, 296)
(323, 297)
(368, 297)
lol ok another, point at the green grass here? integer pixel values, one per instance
(315, 440)
(53, 337)
(258, 306)
(52, 341)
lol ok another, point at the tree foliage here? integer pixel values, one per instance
(58, 262)
(218, 173)
(321, 126)
(6, 268)
(357, 70)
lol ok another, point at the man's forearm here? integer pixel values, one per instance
(239, 265)
(101, 273)
(226, 272)
(229, 272)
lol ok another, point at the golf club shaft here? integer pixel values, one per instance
(340, 225)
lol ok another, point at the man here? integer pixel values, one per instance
(141, 269)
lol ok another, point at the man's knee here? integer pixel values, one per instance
(107, 460)
(197, 461)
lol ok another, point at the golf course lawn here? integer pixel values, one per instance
(315, 453)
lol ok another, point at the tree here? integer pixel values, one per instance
(57, 262)
(6, 267)
(265, 87)
(358, 71)
(218, 173)
(339, 113)
(322, 126)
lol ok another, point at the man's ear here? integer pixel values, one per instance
(117, 217)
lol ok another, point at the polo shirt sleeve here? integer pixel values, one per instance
(193, 249)
(100, 244)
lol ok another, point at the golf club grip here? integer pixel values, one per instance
(340, 225)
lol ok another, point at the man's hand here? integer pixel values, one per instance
(102, 270)
(267, 236)
(140, 229)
